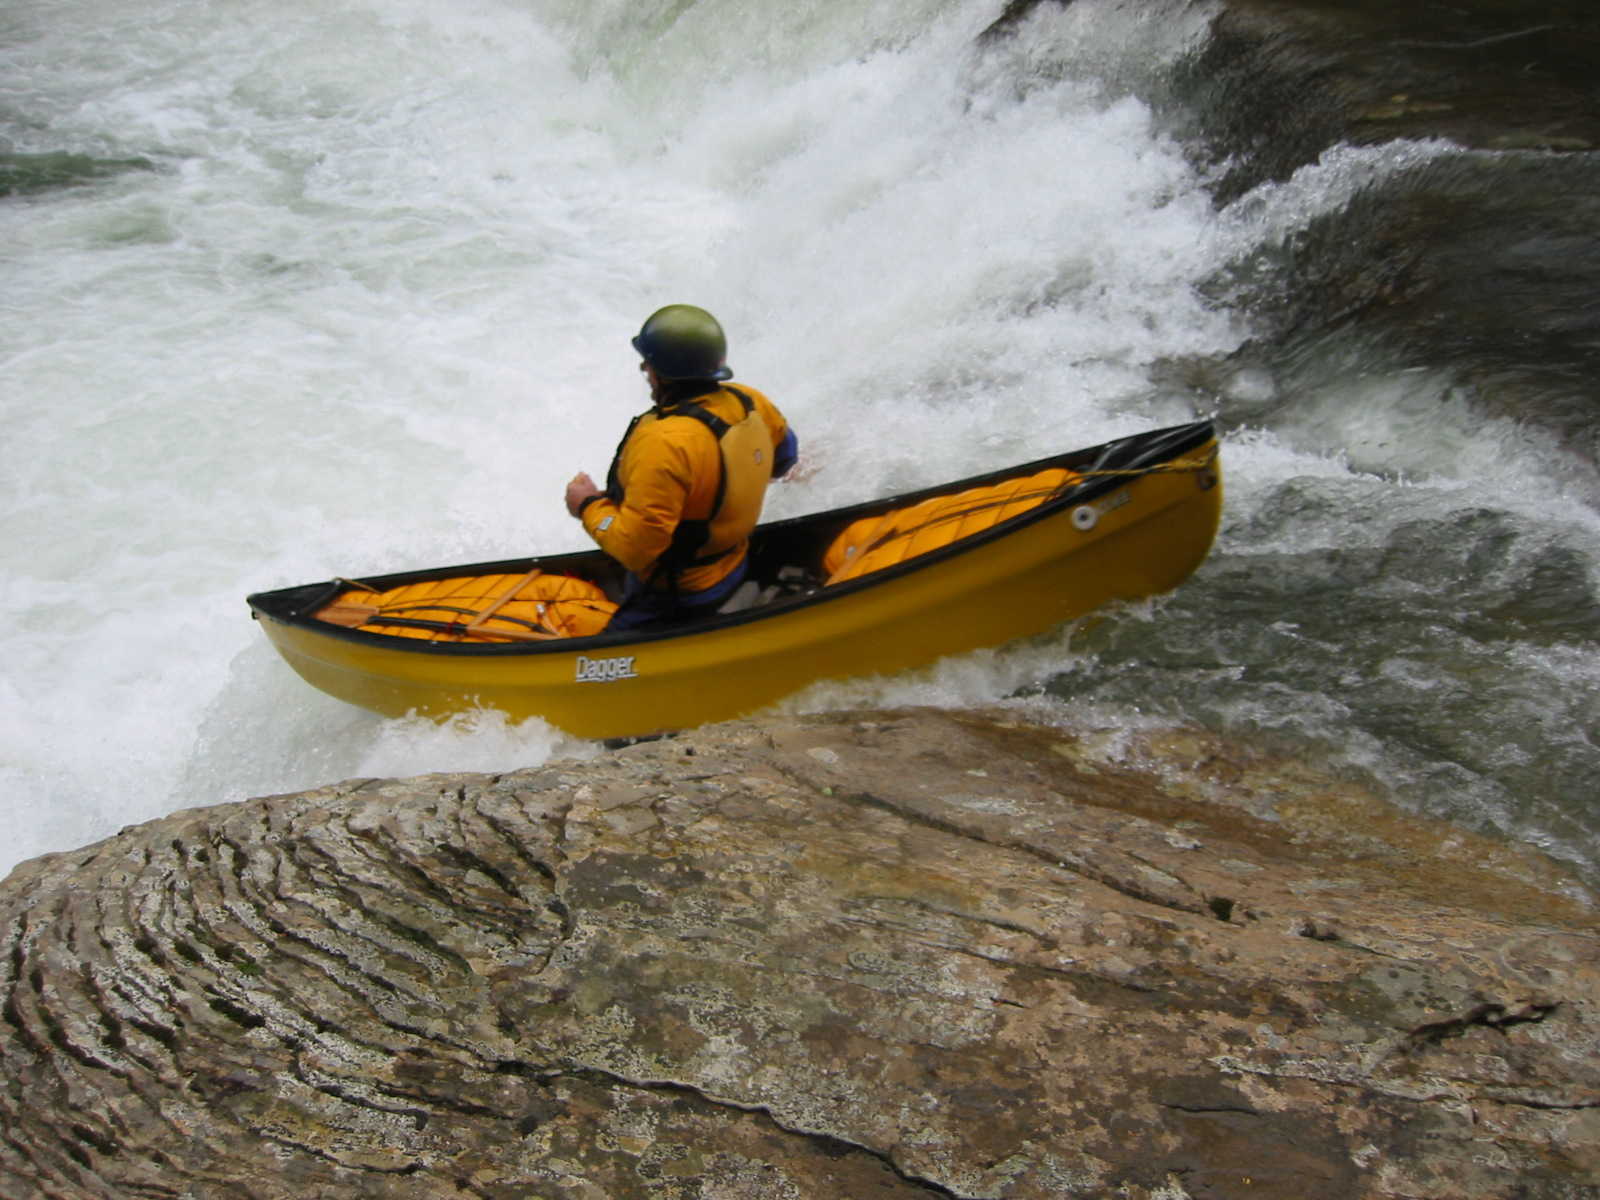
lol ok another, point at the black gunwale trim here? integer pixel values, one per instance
(293, 605)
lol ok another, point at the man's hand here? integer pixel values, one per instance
(802, 470)
(579, 490)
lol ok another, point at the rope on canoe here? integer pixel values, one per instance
(533, 634)
(471, 614)
(1178, 466)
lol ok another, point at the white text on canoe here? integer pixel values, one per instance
(605, 670)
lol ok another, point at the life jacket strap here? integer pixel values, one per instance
(691, 535)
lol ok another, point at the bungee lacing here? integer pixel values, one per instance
(461, 609)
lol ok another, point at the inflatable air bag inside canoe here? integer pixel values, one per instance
(873, 543)
(478, 608)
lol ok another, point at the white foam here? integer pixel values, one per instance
(371, 311)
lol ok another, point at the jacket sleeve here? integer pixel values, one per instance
(785, 445)
(638, 531)
(785, 455)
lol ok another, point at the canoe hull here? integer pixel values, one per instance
(1140, 538)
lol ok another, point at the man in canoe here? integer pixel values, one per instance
(686, 485)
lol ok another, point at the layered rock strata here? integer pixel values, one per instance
(907, 954)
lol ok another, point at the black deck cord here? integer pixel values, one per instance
(417, 623)
(466, 612)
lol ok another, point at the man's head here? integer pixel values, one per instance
(682, 342)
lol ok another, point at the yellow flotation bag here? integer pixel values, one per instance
(873, 543)
(477, 608)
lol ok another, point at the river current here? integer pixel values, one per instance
(297, 289)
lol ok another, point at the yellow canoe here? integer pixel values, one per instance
(868, 589)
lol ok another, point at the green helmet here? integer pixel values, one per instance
(681, 341)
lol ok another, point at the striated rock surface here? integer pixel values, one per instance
(908, 954)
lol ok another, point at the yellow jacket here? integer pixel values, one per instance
(670, 469)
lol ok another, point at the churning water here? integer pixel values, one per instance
(346, 286)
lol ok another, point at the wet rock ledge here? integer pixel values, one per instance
(902, 954)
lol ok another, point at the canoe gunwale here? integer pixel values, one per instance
(1130, 457)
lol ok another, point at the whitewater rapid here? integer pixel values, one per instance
(363, 303)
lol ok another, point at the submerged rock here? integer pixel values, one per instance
(1280, 81)
(905, 954)
(1471, 253)
(24, 174)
